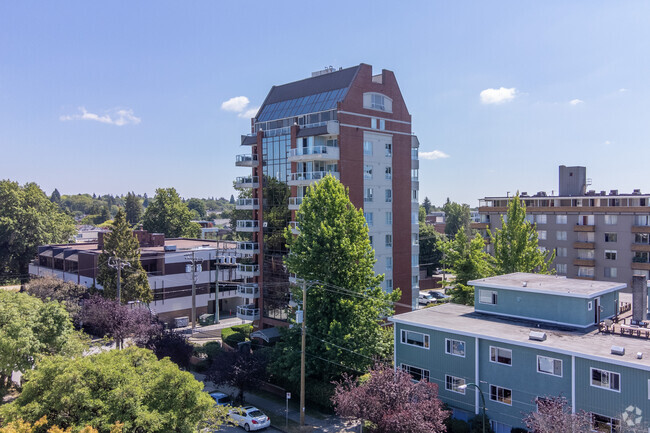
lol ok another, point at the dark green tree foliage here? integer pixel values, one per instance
(121, 242)
(468, 261)
(345, 301)
(427, 205)
(27, 219)
(198, 205)
(232, 199)
(133, 209)
(516, 244)
(56, 196)
(104, 215)
(167, 214)
(130, 386)
(457, 217)
(430, 248)
(30, 328)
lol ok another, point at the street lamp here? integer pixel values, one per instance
(463, 387)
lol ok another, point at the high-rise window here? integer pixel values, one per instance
(367, 171)
(376, 123)
(611, 237)
(415, 260)
(389, 173)
(561, 268)
(540, 219)
(367, 147)
(611, 219)
(389, 218)
(389, 149)
(610, 272)
(561, 252)
(389, 263)
(560, 219)
(389, 241)
(541, 235)
(560, 235)
(610, 254)
(368, 216)
(368, 195)
(389, 285)
(389, 195)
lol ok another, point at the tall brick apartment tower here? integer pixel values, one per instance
(348, 123)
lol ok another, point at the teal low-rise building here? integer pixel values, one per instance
(530, 336)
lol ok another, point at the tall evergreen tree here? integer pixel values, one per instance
(133, 209)
(516, 246)
(56, 196)
(121, 243)
(427, 205)
(169, 215)
(198, 205)
(345, 302)
(232, 199)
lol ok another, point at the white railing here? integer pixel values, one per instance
(295, 202)
(246, 160)
(248, 290)
(247, 203)
(248, 247)
(293, 225)
(247, 182)
(248, 312)
(248, 270)
(248, 225)
(315, 150)
(311, 175)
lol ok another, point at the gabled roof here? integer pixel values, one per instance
(310, 95)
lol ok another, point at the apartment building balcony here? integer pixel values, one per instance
(249, 139)
(247, 160)
(584, 262)
(248, 226)
(247, 182)
(249, 290)
(640, 229)
(294, 203)
(583, 245)
(248, 248)
(304, 179)
(315, 153)
(479, 226)
(584, 228)
(640, 266)
(248, 204)
(248, 312)
(293, 225)
(247, 271)
(641, 247)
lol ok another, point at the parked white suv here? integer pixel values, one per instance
(250, 418)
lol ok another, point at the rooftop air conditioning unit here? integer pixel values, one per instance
(636, 192)
(537, 335)
(618, 350)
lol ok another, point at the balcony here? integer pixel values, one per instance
(247, 271)
(316, 153)
(248, 248)
(584, 228)
(249, 139)
(247, 182)
(248, 226)
(248, 312)
(584, 262)
(641, 247)
(294, 203)
(246, 160)
(293, 225)
(250, 290)
(640, 229)
(304, 179)
(248, 204)
(583, 245)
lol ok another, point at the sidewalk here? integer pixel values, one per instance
(274, 407)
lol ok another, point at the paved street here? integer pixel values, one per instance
(240, 430)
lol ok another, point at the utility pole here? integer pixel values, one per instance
(119, 264)
(302, 355)
(194, 261)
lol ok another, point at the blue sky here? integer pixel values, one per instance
(108, 97)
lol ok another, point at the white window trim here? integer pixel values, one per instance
(551, 374)
(604, 416)
(462, 391)
(493, 293)
(428, 379)
(497, 362)
(449, 352)
(497, 400)
(427, 340)
(608, 372)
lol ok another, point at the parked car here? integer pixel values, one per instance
(438, 296)
(221, 399)
(425, 298)
(250, 418)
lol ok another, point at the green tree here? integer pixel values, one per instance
(28, 219)
(345, 302)
(167, 214)
(430, 248)
(133, 209)
(56, 196)
(30, 328)
(457, 217)
(198, 205)
(129, 386)
(422, 215)
(427, 205)
(232, 199)
(121, 243)
(467, 260)
(516, 246)
(53, 289)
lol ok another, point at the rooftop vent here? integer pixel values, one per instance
(169, 248)
(327, 70)
(618, 350)
(542, 193)
(524, 284)
(603, 193)
(636, 191)
(591, 192)
(537, 335)
(613, 192)
(639, 355)
(524, 194)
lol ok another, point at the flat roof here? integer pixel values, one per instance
(180, 243)
(548, 284)
(589, 343)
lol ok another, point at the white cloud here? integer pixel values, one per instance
(434, 154)
(118, 117)
(622, 89)
(607, 142)
(498, 96)
(251, 112)
(236, 104)
(576, 101)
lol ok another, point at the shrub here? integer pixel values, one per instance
(236, 334)
(456, 426)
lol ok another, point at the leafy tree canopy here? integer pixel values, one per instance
(242, 370)
(129, 386)
(198, 205)
(553, 414)
(167, 214)
(516, 244)
(345, 301)
(27, 219)
(430, 248)
(133, 209)
(121, 243)
(457, 218)
(53, 289)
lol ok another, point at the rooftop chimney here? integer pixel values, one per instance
(639, 297)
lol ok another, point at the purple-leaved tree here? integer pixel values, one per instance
(391, 401)
(554, 415)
